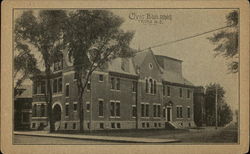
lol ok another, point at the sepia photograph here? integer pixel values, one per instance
(119, 76)
(124, 77)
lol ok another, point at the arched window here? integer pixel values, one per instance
(151, 86)
(154, 87)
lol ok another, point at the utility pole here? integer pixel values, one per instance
(216, 102)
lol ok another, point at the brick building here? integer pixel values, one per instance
(146, 91)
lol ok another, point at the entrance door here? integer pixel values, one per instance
(57, 113)
(169, 114)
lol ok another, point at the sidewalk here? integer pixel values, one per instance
(97, 138)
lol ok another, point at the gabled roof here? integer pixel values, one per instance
(141, 55)
(173, 77)
(116, 66)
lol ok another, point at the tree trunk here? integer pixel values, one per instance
(81, 112)
(49, 101)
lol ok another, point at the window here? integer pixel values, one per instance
(101, 78)
(60, 85)
(164, 112)
(112, 125)
(118, 125)
(159, 124)
(26, 117)
(34, 110)
(67, 110)
(179, 112)
(58, 64)
(155, 110)
(155, 87)
(55, 86)
(88, 85)
(147, 124)
(100, 108)
(168, 91)
(75, 76)
(142, 110)
(65, 126)
(134, 111)
(147, 87)
(87, 106)
(34, 87)
(118, 109)
(118, 84)
(188, 112)
(150, 66)
(88, 125)
(101, 125)
(112, 83)
(42, 110)
(75, 106)
(151, 86)
(163, 90)
(112, 110)
(159, 111)
(155, 124)
(188, 93)
(143, 125)
(67, 90)
(74, 125)
(43, 87)
(134, 86)
(147, 110)
(180, 92)
(33, 125)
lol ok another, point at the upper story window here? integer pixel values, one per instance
(163, 90)
(188, 93)
(188, 112)
(179, 111)
(112, 83)
(101, 79)
(67, 90)
(134, 86)
(150, 65)
(151, 86)
(39, 87)
(101, 105)
(115, 83)
(58, 64)
(168, 91)
(57, 85)
(180, 92)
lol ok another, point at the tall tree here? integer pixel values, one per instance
(93, 38)
(25, 65)
(44, 32)
(224, 111)
(227, 41)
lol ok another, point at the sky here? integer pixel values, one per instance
(200, 66)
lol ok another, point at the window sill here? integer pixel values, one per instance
(115, 90)
(101, 116)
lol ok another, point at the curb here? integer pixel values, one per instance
(103, 139)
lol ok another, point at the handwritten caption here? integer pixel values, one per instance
(150, 18)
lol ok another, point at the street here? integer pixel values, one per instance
(208, 135)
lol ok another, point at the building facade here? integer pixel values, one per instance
(146, 91)
(22, 108)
